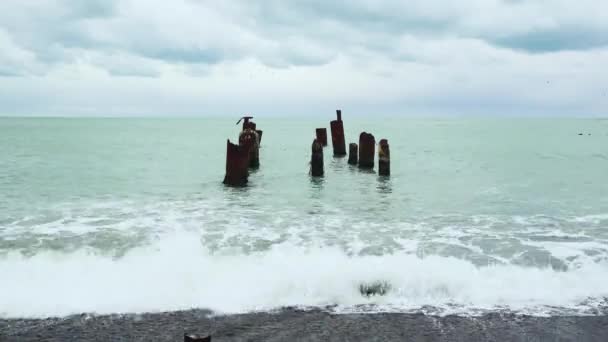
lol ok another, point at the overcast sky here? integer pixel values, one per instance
(279, 57)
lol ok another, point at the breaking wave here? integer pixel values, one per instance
(178, 272)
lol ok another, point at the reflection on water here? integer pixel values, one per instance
(384, 185)
(368, 171)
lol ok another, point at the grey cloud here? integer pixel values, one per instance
(322, 30)
(185, 55)
(556, 40)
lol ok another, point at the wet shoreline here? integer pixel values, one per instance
(311, 325)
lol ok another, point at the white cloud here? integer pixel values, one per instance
(137, 57)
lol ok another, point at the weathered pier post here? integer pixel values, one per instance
(322, 136)
(247, 124)
(316, 159)
(337, 135)
(367, 147)
(353, 151)
(249, 141)
(237, 163)
(384, 158)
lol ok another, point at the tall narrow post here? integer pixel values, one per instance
(316, 159)
(353, 150)
(248, 124)
(249, 141)
(322, 136)
(260, 132)
(337, 135)
(384, 158)
(367, 147)
(237, 162)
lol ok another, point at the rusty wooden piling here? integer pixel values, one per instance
(322, 136)
(367, 147)
(384, 158)
(337, 135)
(260, 132)
(237, 163)
(249, 141)
(316, 159)
(247, 124)
(353, 151)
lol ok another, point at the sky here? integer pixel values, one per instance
(306, 57)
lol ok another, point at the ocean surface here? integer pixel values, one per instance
(130, 216)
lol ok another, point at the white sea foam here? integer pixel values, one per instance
(178, 273)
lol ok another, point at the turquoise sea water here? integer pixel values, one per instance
(129, 215)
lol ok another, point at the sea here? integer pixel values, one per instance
(129, 215)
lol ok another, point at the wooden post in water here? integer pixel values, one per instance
(247, 124)
(384, 158)
(367, 147)
(322, 136)
(249, 141)
(353, 150)
(337, 135)
(316, 159)
(237, 162)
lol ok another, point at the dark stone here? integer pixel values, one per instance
(378, 288)
(196, 338)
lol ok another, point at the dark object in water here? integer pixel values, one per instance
(384, 158)
(316, 160)
(249, 141)
(237, 162)
(196, 338)
(580, 134)
(377, 288)
(246, 123)
(322, 136)
(337, 135)
(367, 147)
(353, 151)
(250, 125)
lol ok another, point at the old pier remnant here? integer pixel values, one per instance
(322, 136)
(316, 159)
(353, 151)
(367, 147)
(337, 135)
(237, 164)
(249, 141)
(384, 158)
(247, 124)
